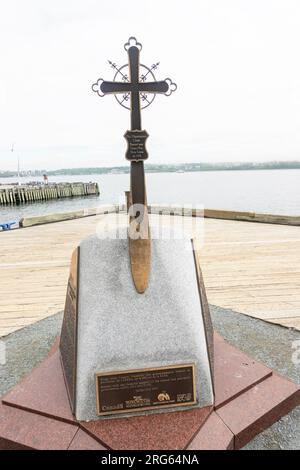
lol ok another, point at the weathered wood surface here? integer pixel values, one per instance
(15, 194)
(228, 215)
(62, 216)
(164, 210)
(248, 267)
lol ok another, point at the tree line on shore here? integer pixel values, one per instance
(163, 168)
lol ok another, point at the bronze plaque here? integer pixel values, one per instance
(136, 149)
(145, 389)
(68, 338)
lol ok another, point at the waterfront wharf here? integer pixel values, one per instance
(19, 194)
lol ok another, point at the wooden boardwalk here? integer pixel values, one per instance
(248, 267)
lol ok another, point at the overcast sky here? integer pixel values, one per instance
(236, 64)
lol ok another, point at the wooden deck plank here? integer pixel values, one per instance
(248, 267)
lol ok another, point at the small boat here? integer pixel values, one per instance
(7, 225)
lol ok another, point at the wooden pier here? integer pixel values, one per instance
(251, 268)
(15, 194)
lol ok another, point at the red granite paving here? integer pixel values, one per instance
(82, 441)
(249, 398)
(235, 372)
(155, 431)
(23, 429)
(258, 408)
(214, 435)
(43, 391)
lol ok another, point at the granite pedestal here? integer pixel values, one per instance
(246, 398)
(118, 329)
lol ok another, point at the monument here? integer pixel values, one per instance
(136, 336)
(137, 365)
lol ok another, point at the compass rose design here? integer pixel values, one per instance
(122, 75)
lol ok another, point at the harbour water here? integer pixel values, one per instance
(265, 191)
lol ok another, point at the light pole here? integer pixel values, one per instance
(12, 149)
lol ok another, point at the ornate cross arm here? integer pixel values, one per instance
(115, 87)
(126, 87)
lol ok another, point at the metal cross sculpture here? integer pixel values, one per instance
(130, 87)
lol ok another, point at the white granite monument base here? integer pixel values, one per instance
(119, 329)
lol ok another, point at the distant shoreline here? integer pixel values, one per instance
(152, 168)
